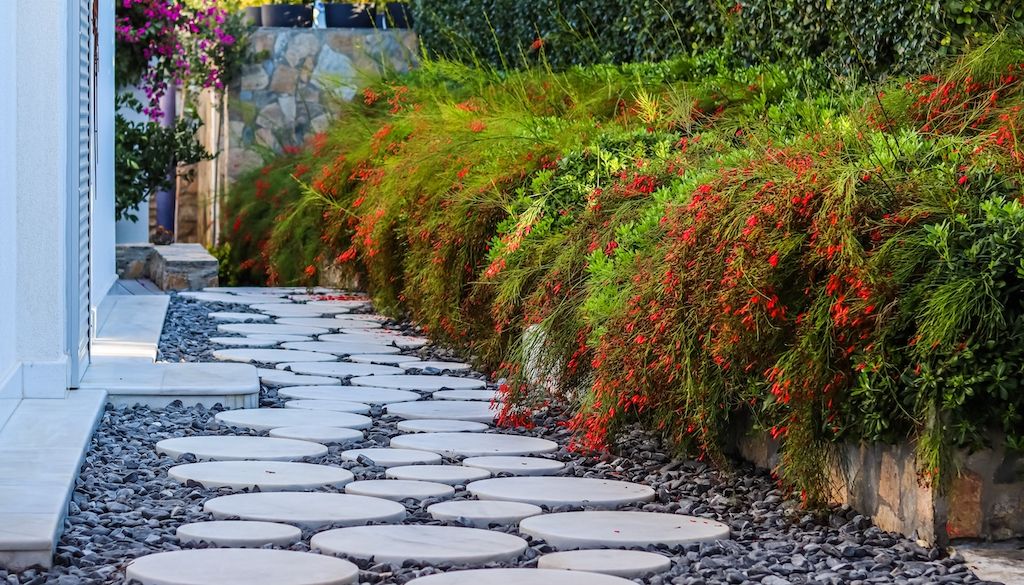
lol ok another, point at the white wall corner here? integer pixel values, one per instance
(45, 379)
(11, 383)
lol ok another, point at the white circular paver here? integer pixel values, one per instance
(399, 489)
(264, 419)
(266, 475)
(239, 448)
(519, 577)
(621, 529)
(318, 301)
(386, 457)
(474, 444)
(363, 317)
(275, 378)
(379, 336)
(237, 299)
(328, 323)
(332, 405)
(343, 348)
(239, 533)
(621, 563)
(270, 356)
(269, 329)
(242, 342)
(479, 395)
(439, 366)
(423, 383)
(319, 434)
(435, 545)
(340, 369)
(448, 409)
(306, 509)
(562, 491)
(240, 566)
(237, 317)
(482, 514)
(383, 358)
(353, 393)
(515, 465)
(440, 425)
(293, 310)
(280, 337)
(449, 474)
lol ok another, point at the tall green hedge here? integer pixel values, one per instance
(850, 36)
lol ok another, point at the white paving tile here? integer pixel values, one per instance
(474, 444)
(384, 358)
(239, 533)
(440, 425)
(363, 394)
(240, 448)
(519, 577)
(319, 434)
(269, 329)
(232, 317)
(275, 378)
(129, 327)
(621, 563)
(481, 395)
(387, 457)
(242, 566)
(332, 405)
(328, 323)
(423, 383)
(562, 491)
(448, 474)
(378, 335)
(270, 356)
(435, 365)
(615, 529)
(343, 348)
(399, 489)
(448, 409)
(294, 310)
(515, 465)
(279, 337)
(242, 342)
(435, 545)
(159, 384)
(340, 369)
(482, 514)
(306, 509)
(264, 419)
(265, 475)
(235, 299)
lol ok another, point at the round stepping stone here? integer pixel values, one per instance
(327, 323)
(347, 323)
(332, 405)
(269, 329)
(562, 491)
(449, 409)
(276, 378)
(351, 393)
(341, 369)
(240, 566)
(621, 563)
(242, 342)
(270, 356)
(440, 366)
(269, 476)
(474, 444)
(621, 529)
(236, 299)
(293, 310)
(264, 419)
(363, 317)
(240, 448)
(482, 514)
(384, 358)
(434, 545)
(306, 509)
(423, 383)
(319, 434)
(318, 301)
(515, 465)
(258, 290)
(239, 533)
(280, 337)
(449, 474)
(346, 348)
(378, 336)
(385, 457)
(237, 317)
(519, 577)
(480, 395)
(440, 425)
(399, 489)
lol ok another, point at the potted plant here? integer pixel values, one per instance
(287, 14)
(394, 15)
(349, 15)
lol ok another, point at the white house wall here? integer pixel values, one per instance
(10, 379)
(103, 262)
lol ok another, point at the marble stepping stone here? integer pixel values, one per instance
(257, 290)
(515, 465)
(327, 323)
(482, 514)
(381, 358)
(350, 303)
(448, 474)
(481, 395)
(562, 491)
(402, 341)
(433, 545)
(351, 322)
(399, 489)
(268, 476)
(306, 509)
(449, 409)
(242, 342)
(344, 348)
(280, 337)
(264, 419)
(277, 378)
(385, 457)
(363, 394)
(332, 405)
(269, 329)
(519, 577)
(474, 444)
(440, 425)
(293, 310)
(239, 533)
(611, 529)
(340, 369)
(233, 299)
(621, 563)
(319, 434)
(240, 566)
(237, 317)
(240, 448)
(270, 356)
(423, 383)
(439, 366)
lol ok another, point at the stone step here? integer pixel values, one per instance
(158, 384)
(129, 327)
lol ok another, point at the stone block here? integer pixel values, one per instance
(131, 260)
(183, 267)
(966, 515)
(254, 78)
(285, 79)
(301, 46)
(889, 484)
(271, 117)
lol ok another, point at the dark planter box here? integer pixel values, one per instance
(253, 16)
(287, 15)
(394, 15)
(342, 15)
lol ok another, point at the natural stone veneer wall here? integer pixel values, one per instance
(286, 94)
